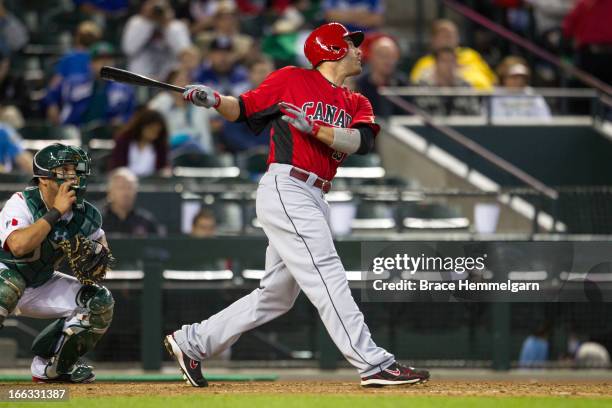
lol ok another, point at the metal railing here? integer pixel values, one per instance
(469, 144)
(598, 104)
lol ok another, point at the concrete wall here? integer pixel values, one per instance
(402, 160)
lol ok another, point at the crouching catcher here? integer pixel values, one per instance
(46, 227)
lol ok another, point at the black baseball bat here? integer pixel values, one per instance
(128, 77)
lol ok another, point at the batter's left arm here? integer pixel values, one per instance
(347, 140)
(358, 140)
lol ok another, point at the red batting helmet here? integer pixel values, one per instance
(328, 43)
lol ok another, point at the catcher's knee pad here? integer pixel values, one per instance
(12, 286)
(99, 305)
(64, 342)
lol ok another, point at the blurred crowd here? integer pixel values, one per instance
(51, 57)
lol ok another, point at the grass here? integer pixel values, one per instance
(324, 401)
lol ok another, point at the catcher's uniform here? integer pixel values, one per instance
(49, 294)
(294, 214)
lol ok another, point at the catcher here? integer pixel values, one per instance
(48, 224)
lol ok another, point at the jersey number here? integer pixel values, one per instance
(338, 156)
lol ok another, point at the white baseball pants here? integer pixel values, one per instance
(300, 255)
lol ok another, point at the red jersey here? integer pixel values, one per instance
(321, 100)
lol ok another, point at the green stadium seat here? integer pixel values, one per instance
(373, 216)
(228, 216)
(361, 167)
(200, 165)
(98, 136)
(37, 136)
(254, 161)
(431, 216)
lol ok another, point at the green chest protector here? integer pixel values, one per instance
(38, 266)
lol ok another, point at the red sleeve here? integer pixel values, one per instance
(364, 114)
(268, 93)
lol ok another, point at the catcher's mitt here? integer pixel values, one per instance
(88, 260)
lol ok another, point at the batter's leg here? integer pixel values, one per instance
(293, 216)
(275, 296)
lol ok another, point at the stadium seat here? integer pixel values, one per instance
(436, 216)
(98, 136)
(373, 216)
(37, 136)
(252, 225)
(228, 216)
(254, 162)
(201, 165)
(361, 167)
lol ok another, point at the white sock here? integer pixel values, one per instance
(38, 367)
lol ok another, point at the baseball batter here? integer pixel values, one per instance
(316, 123)
(33, 225)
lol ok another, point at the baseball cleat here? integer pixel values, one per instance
(81, 374)
(396, 374)
(192, 369)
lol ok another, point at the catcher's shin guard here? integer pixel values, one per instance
(12, 286)
(65, 342)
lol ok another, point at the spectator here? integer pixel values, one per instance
(204, 224)
(83, 99)
(226, 24)
(589, 25)
(381, 71)
(475, 70)
(591, 354)
(200, 13)
(11, 116)
(221, 70)
(284, 40)
(356, 15)
(236, 136)
(154, 39)
(14, 92)
(515, 98)
(259, 69)
(120, 215)
(548, 15)
(292, 18)
(142, 145)
(188, 126)
(190, 61)
(534, 351)
(78, 60)
(446, 73)
(13, 34)
(12, 153)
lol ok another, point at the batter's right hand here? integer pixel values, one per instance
(65, 197)
(202, 95)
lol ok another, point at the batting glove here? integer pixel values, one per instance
(201, 95)
(298, 119)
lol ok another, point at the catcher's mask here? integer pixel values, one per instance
(48, 163)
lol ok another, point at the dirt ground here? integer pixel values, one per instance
(433, 388)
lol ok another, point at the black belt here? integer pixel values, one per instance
(323, 184)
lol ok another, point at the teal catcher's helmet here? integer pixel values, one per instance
(48, 159)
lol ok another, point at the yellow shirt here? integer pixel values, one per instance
(473, 69)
